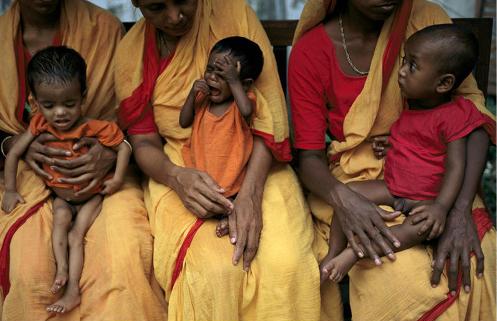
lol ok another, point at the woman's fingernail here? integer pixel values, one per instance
(396, 244)
(433, 285)
(480, 275)
(453, 293)
(360, 254)
(67, 153)
(377, 261)
(232, 240)
(467, 288)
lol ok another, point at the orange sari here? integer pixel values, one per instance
(117, 272)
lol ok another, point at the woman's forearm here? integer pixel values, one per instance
(257, 168)
(476, 156)
(151, 159)
(315, 175)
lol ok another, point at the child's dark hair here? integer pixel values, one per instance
(58, 65)
(244, 50)
(457, 49)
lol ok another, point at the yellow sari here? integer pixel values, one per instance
(283, 280)
(117, 272)
(397, 290)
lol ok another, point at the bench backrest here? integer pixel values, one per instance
(280, 33)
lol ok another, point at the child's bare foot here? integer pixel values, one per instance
(60, 281)
(335, 268)
(69, 301)
(222, 227)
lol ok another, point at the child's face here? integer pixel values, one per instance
(219, 88)
(60, 104)
(418, 75)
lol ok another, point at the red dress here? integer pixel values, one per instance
(414, 165)
(320, 92)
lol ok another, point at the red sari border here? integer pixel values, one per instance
(178, 265)
(5, 250)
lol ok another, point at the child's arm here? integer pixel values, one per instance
(11, 198)
(188, 111)
(230, 72)
(123, 154)
(435, 213)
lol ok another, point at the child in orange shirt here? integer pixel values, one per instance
(220, 106)
(57, 79)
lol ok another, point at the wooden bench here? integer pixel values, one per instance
(280, 33)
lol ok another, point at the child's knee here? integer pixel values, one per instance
(75, 238)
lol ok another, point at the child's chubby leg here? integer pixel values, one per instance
(340, 259)
(84, 219)
(62, 217)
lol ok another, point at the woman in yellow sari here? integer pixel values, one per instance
(204, 277)
(117, 274)
(342, 75)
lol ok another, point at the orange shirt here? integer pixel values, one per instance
(220, 145)
(107, 133)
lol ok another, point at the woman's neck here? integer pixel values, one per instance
(32, 20)
(357, 22)
(165, 43)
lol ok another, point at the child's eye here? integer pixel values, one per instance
(412, 66)
(70, 104)
(46, 105)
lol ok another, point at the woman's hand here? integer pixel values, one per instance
(89, 168)
(245, 226)
(457, 241)
(362, 219)
(38, 153)
(200, 194)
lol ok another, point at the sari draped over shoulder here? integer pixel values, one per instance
(379, 293)
(119, 237)
(192, 265)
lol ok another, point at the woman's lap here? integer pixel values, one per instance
(116, 273)
(283, 280)
(401, 290)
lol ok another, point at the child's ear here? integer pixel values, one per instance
(246, 83)
(32, 101)
(445, 83)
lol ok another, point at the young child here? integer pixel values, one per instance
(424, 168)
(57, 80)
(220, 107)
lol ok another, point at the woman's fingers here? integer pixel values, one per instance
(232, 228)
(213, 191)
(93, 184)
(77, 180)
(366, 243)
(73, 163)
(38, 170)
(353, 243)
(85, 141)
(240, 244)
(70, 172)
(252, 245)
(385, 231)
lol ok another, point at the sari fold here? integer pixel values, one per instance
(120, 236)
(192, 265)
(379, 293)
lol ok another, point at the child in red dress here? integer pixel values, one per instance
(424, 168)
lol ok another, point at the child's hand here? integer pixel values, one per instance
(10, 200)
(200, 85)
(434, 215)
(380, 145)
(229, 69)
(111, 186)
